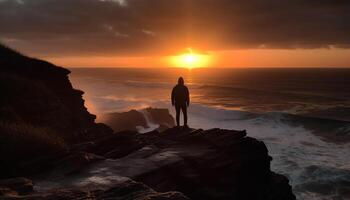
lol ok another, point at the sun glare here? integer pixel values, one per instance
(191, 60)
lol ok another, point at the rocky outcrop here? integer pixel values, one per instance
(136, 120)
(125, 120)
(160, 116)
(201, 164)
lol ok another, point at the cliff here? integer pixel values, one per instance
(48, 136)
(40, 112)
(40, 93)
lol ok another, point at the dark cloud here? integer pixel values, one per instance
(61, 27)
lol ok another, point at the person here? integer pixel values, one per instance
(180, 98)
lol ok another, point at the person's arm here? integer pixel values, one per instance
(187, 97)
(173, 97)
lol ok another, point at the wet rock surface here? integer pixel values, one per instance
(128, 190)
(16, 186)
(201, 164)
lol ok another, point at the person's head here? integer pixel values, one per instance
(180, 81)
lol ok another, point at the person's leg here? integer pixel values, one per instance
(177, 109)
(184, 111)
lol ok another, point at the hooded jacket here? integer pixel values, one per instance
(180, 94)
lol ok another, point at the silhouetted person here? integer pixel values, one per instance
(180, 98)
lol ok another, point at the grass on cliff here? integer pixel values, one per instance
(20, 142)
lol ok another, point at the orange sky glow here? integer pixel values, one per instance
(229, 58)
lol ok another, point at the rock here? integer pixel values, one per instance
(74, 162)
(128, 190)
(134, 119)
(160, 116)
(125, 120)
(15, 186)
(210, 164)
(116, 145)
(7, 192)
(282, 183)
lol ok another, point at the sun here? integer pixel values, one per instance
(191, 60)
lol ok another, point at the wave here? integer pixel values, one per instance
(339, 127)
(326, 183)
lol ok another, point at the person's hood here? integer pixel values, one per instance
(180, 81)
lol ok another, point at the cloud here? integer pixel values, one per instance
(100, 27)
(120, 2)
(148, 32)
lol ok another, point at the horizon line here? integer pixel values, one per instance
(125, 67)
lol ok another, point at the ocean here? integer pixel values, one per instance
(302, 115)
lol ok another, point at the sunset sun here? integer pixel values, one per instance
(191, 60)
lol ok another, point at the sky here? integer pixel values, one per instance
(149, 33)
